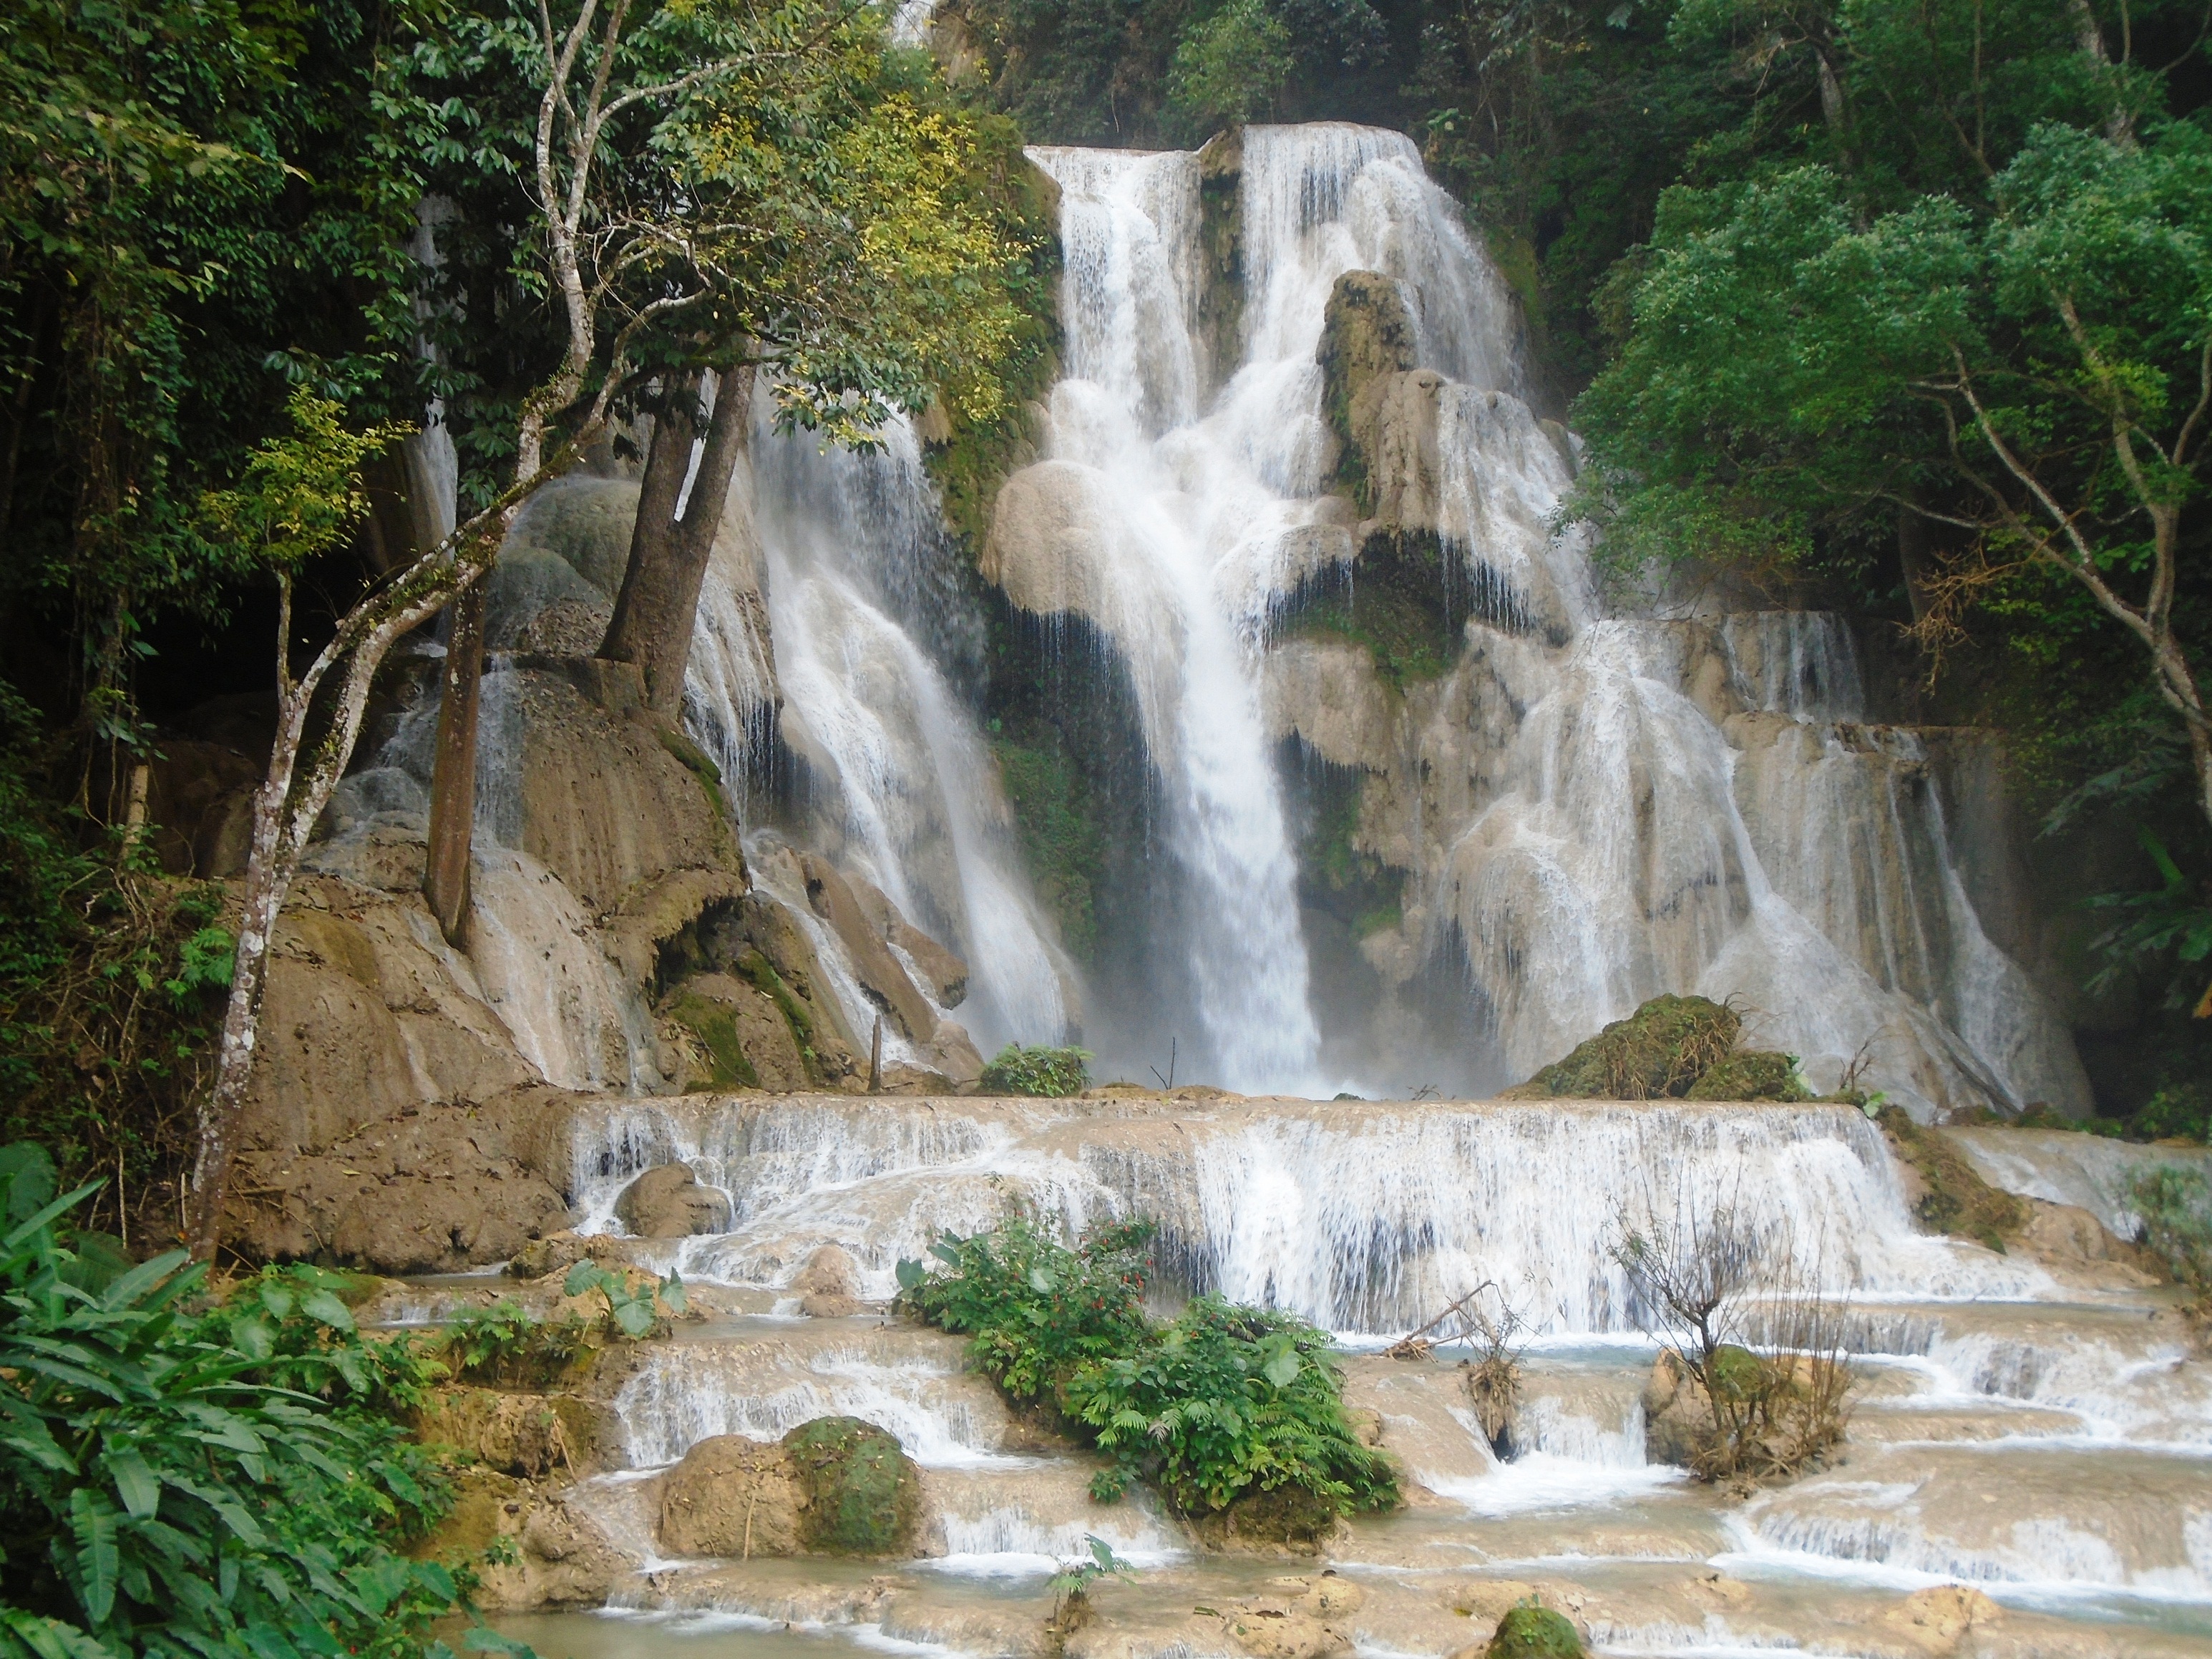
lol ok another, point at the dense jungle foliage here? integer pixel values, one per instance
(248, 250)
(183, 1476)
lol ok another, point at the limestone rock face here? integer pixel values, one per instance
(605, 804)
(429, 1188)
(1367, 332)
(737, 1029)
(1295, 1618)
(1049, 542)
(735, 1497)
(668, 1202)
(834, 1486)
(528, 1435)
(881, 973)
(1394, 422)
(561, 1557)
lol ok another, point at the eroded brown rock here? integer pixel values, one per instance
(829, 1286)
(731, 1495)
(668, 1202)
(560, 1557)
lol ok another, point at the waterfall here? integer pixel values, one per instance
(1596, 802)
(1362, 1218)
(847, 560)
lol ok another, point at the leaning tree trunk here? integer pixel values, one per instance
(668, 554)
(453, 773)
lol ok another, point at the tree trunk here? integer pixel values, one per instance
(668, 554)
(453, 774)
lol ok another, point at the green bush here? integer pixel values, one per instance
(1035, 1309)
(198, 1482)
(1228, 1401)
(1224, 1403)
(506, 1344)
(1041, 1071)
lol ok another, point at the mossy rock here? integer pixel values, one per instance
(1954, 1199)
(1288, 1518)
(1740, 1374)
(1757, 1075)
(864, 1494)
(1533, 1633)
(715, 1027)
(1661, 1050)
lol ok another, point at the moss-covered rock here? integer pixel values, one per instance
(1946, 1192)
(1758, 1074)
(1366, 332)
(1661, 1050)
(1534, 1633)
(864, 1494)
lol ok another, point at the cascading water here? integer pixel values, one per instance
(849, 576)
(1591, 808)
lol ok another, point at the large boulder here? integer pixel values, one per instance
(732, 1496)
(834, 1486)
(1534, 1633)
(863, 1491)
(829, 1286)
(667, 1201)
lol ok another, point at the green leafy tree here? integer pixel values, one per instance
(1230, 66)
(2028, 374)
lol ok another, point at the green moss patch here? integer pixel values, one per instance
(1396, 607)
(716, 1029)
(757, 970)
(1758, 1074)
(1533, 1633)
(1060, 835)
(864, 1494)
(1661, 1050)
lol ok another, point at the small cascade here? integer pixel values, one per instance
(1360, 1218)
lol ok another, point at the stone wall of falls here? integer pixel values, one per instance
(1363, 1218)
(1574, 802)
